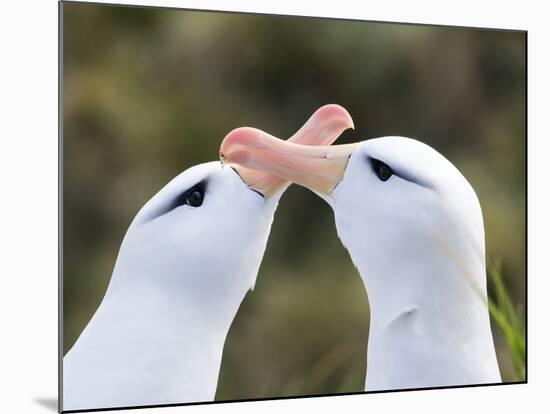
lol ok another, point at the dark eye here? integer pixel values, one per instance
(383, 171)
(194, 198)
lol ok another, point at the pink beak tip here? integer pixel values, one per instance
(334, 111)
(238, 136)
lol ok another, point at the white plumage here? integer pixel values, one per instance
(417, 240)
(180, 276)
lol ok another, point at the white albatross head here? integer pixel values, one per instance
(413, 227)
(201, 239)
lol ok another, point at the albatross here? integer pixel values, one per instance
(184, 266)
(413, 227)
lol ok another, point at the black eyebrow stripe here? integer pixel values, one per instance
(402, 174)
(180, 199)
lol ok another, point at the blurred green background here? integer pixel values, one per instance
(150, 92)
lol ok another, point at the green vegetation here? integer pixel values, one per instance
(507, 317)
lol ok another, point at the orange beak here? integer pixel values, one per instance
(267, 164)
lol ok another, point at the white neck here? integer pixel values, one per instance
(144, 350)
(429, 324)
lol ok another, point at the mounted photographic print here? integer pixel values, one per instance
(265, 206)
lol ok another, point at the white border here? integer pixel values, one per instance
(28, 179)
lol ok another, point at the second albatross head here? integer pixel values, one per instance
(413, 227)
